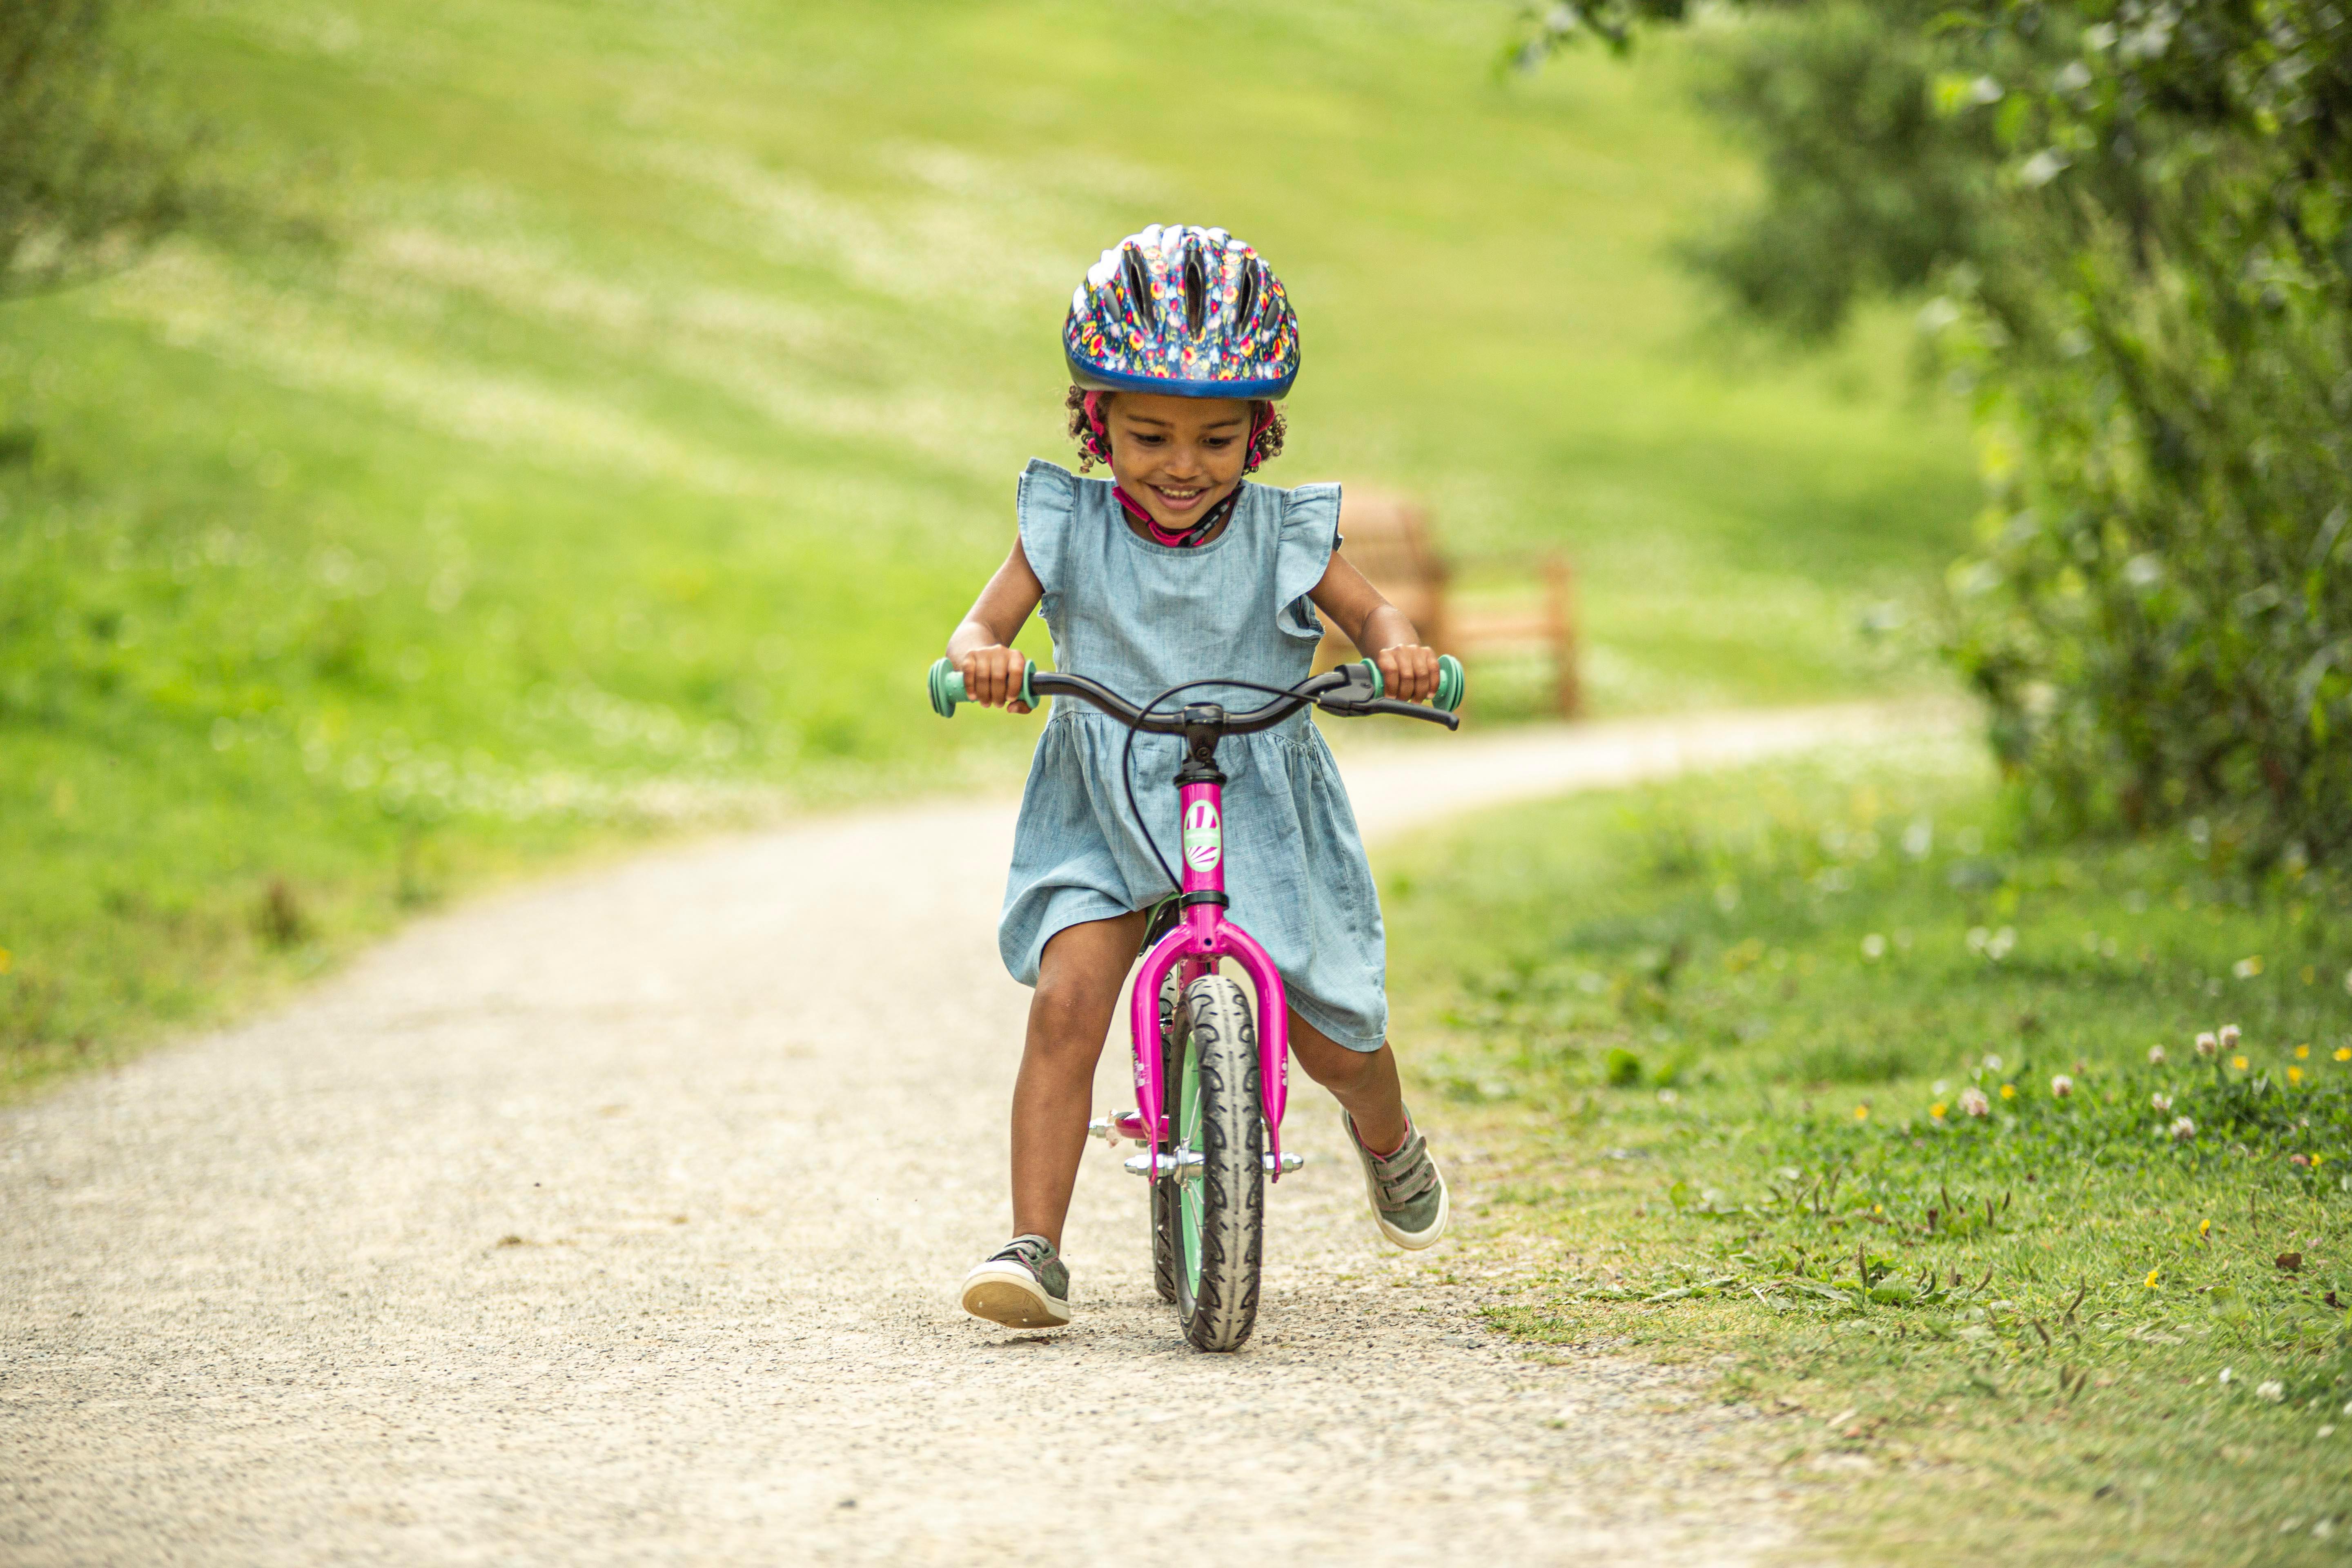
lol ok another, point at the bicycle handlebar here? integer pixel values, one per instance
(1322, 691)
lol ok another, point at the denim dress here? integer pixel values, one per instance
(1139, 617)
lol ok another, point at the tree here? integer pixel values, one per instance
(2132, 220)
(91, 169)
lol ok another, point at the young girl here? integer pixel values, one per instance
(1179, 342)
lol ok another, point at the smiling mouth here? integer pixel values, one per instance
(1178, 500)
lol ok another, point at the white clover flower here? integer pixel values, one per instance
(1992, 1063)
(1873, 948)
(1973, 1101)
(2062, 1086)
(2275, 1391)
(2155, 1056)
(2206, 1044)
(2230, 1036)
(2183, 1129)
(2224, 1378)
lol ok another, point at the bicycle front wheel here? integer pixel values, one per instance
(1221, 1173)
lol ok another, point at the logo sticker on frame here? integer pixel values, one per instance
(1204, 839)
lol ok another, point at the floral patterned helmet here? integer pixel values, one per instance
(1183, 311)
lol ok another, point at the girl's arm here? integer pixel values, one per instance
(992, 670)
(1378, 628)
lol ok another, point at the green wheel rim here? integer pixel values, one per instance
(1188, 1193)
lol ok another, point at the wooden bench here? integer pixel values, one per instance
(1386, 537)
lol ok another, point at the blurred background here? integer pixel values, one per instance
(456, 435)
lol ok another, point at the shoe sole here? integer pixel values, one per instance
(1004, 1294)
(1411, 1240)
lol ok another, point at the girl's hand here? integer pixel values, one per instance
(992, 676)
(1410, 671)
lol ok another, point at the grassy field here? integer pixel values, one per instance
(616, 405)
(1822, 1075)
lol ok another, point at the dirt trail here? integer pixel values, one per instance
(616, 1221)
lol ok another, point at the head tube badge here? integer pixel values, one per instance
(1204, 840)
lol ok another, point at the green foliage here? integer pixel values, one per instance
(2162, 619)
(93, 170)
(2137, 222)
(2018, 1311)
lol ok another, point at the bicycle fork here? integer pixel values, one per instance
(1202, 935)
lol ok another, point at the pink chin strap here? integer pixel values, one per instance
(1098, 448)
(1182, 538)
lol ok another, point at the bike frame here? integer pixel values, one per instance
(1204, 935)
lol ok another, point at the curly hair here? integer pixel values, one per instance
(1095, 448)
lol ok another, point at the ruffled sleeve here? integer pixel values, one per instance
(1047, 504)
(1311, 532)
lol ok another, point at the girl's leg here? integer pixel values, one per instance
(1079, 981)
(1401, 1179)
(1365, 1083)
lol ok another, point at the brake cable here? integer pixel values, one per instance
(1126, 756)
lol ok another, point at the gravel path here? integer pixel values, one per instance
(616, 1220)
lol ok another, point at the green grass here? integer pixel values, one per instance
(621, 403)
(1727, 1027)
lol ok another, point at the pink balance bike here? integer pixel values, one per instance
(1207, 1155)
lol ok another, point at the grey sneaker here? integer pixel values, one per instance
(1408, 1194)
(1026, 1285)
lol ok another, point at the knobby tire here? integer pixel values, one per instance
(1221, 1229)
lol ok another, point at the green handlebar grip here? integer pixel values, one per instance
(947, 687)
(1449, 683)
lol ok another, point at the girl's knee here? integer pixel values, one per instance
(1331, 1064)
(1072, 1009)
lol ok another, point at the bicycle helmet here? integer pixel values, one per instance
(1185, 311)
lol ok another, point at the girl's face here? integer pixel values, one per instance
(1177, 456)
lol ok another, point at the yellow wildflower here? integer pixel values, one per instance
(1936, 1111)
(1861, 1113)
(2151, 1278)
(2238, 1062)
(2303, 1053)
(2008, 1091)
(2344, 1053)
(2204, 1229)
(2295, 1075)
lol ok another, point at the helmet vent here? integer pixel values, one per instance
(1138, 288)
(1189, 312)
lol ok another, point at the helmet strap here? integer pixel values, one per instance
(1261, 420)
(1096, 443)
(1186, 539)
